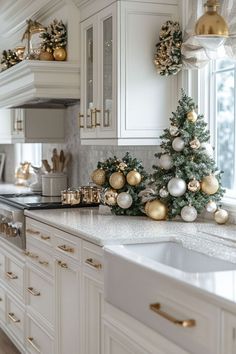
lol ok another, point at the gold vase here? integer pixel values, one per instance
(46, 56)
(60, 54)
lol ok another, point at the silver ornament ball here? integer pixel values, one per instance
(178, 144)
(176, 187)
(188, 213)
(165, 162)
(211, 207)
(221, 216)
(124, 200)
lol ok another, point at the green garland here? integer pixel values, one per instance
(9, 59)
(168, 59)
(125, 165)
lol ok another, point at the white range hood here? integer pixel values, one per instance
(35, 83)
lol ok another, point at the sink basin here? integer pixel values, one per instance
(174, 255)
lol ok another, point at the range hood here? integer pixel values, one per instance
(40, 84)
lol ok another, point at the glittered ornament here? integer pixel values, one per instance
(188, 213)
(211, 207)
(178, 144)
(122, 166)
(163, 192)
(221, 216)
(207, 149)
(156, 210)
(174, 131)
(192, 116)
(133, 178)
(165, 162)
(117, 180)
(98, 176)
(210, 184)
(124, 200)
(110, 197)
(176, 187)
(195, 143)
(194, 186)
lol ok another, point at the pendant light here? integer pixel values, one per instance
(211, 29)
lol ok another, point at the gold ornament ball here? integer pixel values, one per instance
(210, 184)
(221, 216)
(60, 54)
(46, 56)
(117, 180)
(192, 116)
(194, 186)
(110, 197)
(156, 210)
(98, 176)
(133, 178)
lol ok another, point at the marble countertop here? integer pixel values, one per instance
(8, 188)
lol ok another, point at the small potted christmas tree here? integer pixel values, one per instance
(185, 177)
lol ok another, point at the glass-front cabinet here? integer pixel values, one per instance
(97, 74)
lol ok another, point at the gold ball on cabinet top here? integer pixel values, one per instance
(156, 210)
(60, 54)
(192, 116)
(210, 184)
(117, 180)
(133, 178)
(98, 176)
(221, 216)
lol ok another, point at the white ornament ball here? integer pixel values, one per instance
(221, 216)
(188, 213)
(211, 207)
(178, 144)
(163, 192)
(177, 187)
(124, 200)
(165, 162)
(208, 149)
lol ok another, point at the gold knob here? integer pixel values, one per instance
(31, 255)
(33, 232)
(45, 238)
(183, 323)
(45, 263)
(81, 121)
(96, 111)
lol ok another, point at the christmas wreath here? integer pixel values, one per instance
(168, 60)
(122, 180)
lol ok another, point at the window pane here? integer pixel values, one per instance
(224, 64)
(225, 97)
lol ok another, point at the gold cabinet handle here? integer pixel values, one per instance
(31, 255)
(62, 264)
(66, 248)
(92, 263)
(96, 111)
(13, 318)
(33, 292)
(33, 232)
(183, 323)
(44, 263)
(11, 275)
(31, 342)
(93, 121)
(81, 120)
(44, 237)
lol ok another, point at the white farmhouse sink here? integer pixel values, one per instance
(174, 255)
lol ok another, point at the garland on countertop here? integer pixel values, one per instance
(122, 180)
(168, 59)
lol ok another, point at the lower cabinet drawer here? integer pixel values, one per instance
(39, 291)
(38, 340)
(15, 319)
(14, 275)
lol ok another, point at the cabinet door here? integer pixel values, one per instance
(67, 286)
(92, 313)
(229, 333)
(89, 72)
(6, 126)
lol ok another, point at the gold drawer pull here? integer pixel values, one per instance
(33, 292)
(31, 342)
(45, 263)
(62, 264)
(11, 275)
(13, 318)
(183, 323)
(33, 232)
(93, 264)
(31, 255)
(66, 248)
(45, 238)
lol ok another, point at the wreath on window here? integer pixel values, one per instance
(168, 59)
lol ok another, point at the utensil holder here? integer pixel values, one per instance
(53, 184)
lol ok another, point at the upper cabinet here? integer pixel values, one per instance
(123, 100)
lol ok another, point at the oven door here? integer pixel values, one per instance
(12, 227)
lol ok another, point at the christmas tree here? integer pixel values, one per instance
(58, 33)
(185, 177)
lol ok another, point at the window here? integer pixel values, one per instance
(28, 152)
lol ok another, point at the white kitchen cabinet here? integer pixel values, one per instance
(31, 125)
(228, 333)
(123, 99)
